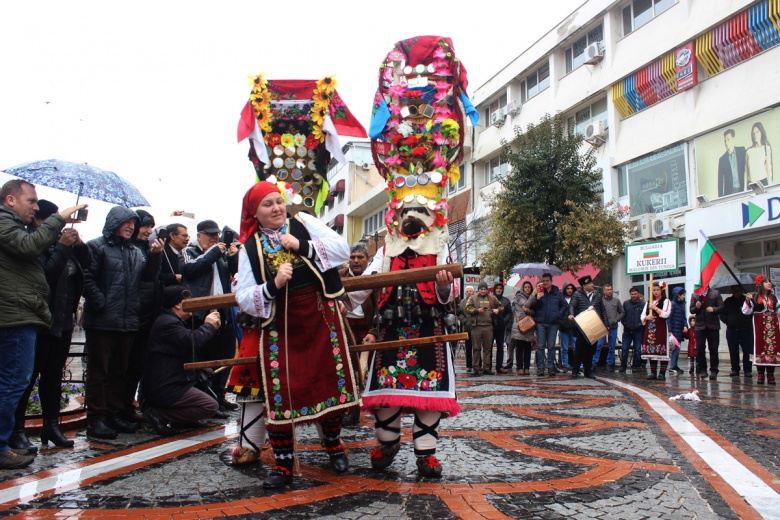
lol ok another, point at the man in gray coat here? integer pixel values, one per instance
(24, 294)
(614, 316)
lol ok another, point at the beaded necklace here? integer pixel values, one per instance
(267, 247)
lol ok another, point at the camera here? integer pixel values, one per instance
(82, 214)
(163, 234)
(228, 236)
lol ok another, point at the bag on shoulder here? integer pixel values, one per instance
(526, 325)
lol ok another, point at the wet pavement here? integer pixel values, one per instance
(523, 447)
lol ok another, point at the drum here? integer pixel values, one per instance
(590, 324)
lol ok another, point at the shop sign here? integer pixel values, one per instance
(651, 257)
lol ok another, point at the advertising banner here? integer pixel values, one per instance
(732, 157)
(685, 61)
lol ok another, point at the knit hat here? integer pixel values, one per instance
(144, 218)
(173, 294)
(482, 285)
(45, 209)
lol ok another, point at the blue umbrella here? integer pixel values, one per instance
(67, 176)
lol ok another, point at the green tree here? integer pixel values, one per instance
(550, 207)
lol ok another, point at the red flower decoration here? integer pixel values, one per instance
(440, 220)
(274, 139)
(424, 384)
(407, 380)
(759, 279)
(397, 138)
(312, 142)
(432, 462)
(420, 150)
(411, 361)
(376, 453)
(411, 140)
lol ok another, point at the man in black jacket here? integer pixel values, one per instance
(632, 330)
(739, 331)
(178, 238)
(206, 267)
(169, 391)
(706, 308)
(582, 300)
(111, 319)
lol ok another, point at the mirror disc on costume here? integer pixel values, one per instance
(300, 163)
(296, 187)
(312, 154)
(411, 181)
(289, 163)
(278, 149)
(282, 174)
(423, 179)
(312, 165)
(307, 190)
(419, 68)
(289, 151)
(431, 68)
(278, 162)
(408, 69)
(301, 151)
(422, 200)
(436, 177)
(297, 174)
(399, 182)
(297, 199)
(308, 202)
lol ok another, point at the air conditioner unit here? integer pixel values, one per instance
(640, 228)
(596, 132)
(497, 118)
(505, 110)
(366, 166)
(593, 53)
(663, 226)
(514, 107)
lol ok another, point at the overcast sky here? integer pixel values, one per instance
(153, 90)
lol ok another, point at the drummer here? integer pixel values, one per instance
(583, 300)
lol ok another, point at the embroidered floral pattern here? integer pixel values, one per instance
(769, 322)
(406, 373)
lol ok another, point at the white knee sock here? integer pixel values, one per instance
(255, 433)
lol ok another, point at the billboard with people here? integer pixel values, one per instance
(658, 182)
(732, 157)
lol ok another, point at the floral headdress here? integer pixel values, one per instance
(760, 279)
(417, 124)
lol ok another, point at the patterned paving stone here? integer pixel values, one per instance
(627, 442)
(618, 412)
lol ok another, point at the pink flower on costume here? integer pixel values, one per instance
(395, 109)
(342, 398)
(335, 351)
(397, 90)
(393, 160)
(442, 85)
(438, 161)
(440, 53)
(274, 364)
(396, 55)
(441, 114)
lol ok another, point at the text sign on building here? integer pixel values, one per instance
(651, 257)
(685, 63)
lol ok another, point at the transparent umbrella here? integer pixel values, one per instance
(536, 269)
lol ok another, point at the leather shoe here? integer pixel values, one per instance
(219, 414)
(383, 456)
(19, 441)
(225, 405)
(157, 424)
(340, 463)
(122, 425)
(12, 460)
(429, 467)
(100, 430)
(489, 373)
(279, 477)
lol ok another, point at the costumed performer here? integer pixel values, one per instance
(416, 132)
(654, 341)
(763, 306)
(288, 284)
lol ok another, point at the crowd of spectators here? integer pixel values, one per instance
(132, 280)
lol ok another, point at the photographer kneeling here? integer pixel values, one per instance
(170, 396)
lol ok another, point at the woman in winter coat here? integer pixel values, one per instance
(677, 324)
(522, 341)
(566, 329)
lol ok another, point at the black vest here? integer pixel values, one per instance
(329, 281)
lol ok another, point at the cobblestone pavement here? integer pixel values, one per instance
(523, 447)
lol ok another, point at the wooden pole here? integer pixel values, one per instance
(385, 345)
(351, 284)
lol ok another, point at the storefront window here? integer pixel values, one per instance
(658, 182)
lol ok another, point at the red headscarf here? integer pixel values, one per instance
(252, 199)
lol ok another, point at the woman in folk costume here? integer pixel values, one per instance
(654, 341)
(763, 306)
(288, 283)
(416, 132)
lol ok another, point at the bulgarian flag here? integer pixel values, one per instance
(709, 260)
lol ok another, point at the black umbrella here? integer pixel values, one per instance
(724, 283)
(67, 176)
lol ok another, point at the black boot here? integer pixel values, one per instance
(51, 432)
(19, 441)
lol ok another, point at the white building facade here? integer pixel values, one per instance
(656, 86)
